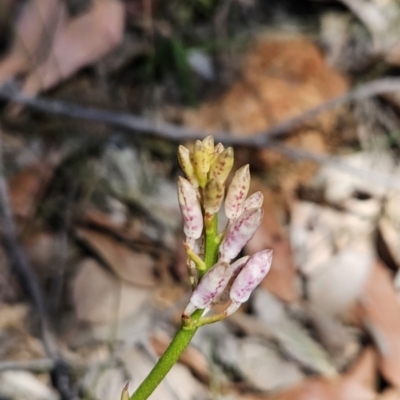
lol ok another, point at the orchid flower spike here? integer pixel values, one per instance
(215, 275)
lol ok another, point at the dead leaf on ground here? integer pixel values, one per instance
(12, 315)
(264, 368)
(359, 383)
(379, 311)
(390, 394)
(26, 187)
(364, 370)
(76, 41)
(102, 220)
(136, 268)
(100, 299)
(321, 389)
(292, 337)
(341, 341)
(283, 76)
(25, 385)
(335, 251)
(389, 224)
(35, 20)
(281, 279)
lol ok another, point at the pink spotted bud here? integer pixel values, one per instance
(239, 233)
(190, 208)
(222, 166)
(236, 267)
(210, 287)
(201, 162)
(237, 193)
(254, 201)
(184, 158)
(250, 276)
(213, 196)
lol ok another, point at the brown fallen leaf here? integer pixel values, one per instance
(390, 394)
(74, 41)
(320, 389)
(282, 77)
(26, 187)
(281, 279)
(36, 20)
(364, 370)
(379, 311)
(99, 219)
(357, 384)
(99, 297)
(136, 268)
(78, 41)
(264, 367)
(191, 357)
(45, 250)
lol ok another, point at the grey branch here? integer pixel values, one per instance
(266, 138)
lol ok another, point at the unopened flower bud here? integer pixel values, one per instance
(239, 233)
(237, 193)
(125, 392)
(222, 166)
(213, 196)
(210, 287)
(254, 201)
(201, 162)
(219, 148)
(236, 267)
(190, 208)
(184, 158)
(250, 276)
(208, 144)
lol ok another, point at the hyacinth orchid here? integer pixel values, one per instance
(216, 277)
(200, 198)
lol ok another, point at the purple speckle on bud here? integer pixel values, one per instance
(239, 233)
(237, 193)
(250, 276)
(222, 166)
(184, 157)
(254, 201)
(213, 196)
(236, 267)
(211, 285)
(190, 208)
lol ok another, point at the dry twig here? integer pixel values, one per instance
(265, 138)
(38, 365)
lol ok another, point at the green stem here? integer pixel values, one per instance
(211, 244)
(166, 362)
(185, 332)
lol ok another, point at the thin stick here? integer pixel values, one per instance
(264, 138)
(179, 133)
(38, 365)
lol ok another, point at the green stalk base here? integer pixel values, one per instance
(166, 361)
(185, 332)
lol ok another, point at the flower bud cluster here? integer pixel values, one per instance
(200, 197)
